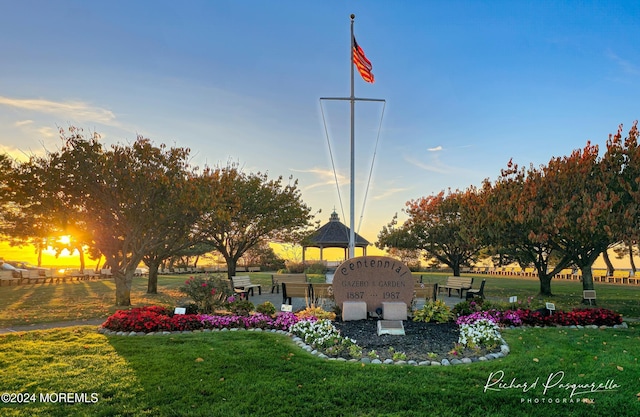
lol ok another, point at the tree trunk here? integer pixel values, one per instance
(631, 261)
(81, 256)
(123, 287)
(587, 278)
(610, 268)
(152, 285)
(545, 284)
(231, 267)
(456, 269)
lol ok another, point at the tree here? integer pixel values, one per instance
(583, 207)
(174, 236)
(119, 196)
(249, 208)
(624, 154)
(264, 256)
(441, 225)
(627, 248)
(513, 213)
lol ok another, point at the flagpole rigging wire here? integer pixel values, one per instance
(373, 160)
(333, 165)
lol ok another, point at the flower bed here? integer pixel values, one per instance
(479, 331)
(158, 319)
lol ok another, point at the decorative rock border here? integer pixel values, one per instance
(504, 347)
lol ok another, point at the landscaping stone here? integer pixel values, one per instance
(354, 310)
(394, 311)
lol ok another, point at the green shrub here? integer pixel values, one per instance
(191, 308)
(465, 308)
(294, 267)
(316, 267)
(266, 308)
(239, 306)
(207, 292)
(433, 311)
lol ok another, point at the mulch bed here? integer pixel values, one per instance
(420, 342)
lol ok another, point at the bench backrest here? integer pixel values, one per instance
(462, 282)
(295, 290)
(240, 281)
(290, 278)
(6, 274)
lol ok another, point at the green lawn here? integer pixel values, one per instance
(252, 373)
(625, 299)
(40, 303)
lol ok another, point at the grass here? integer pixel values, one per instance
(42, 303)
(566, 294)
(250, 373)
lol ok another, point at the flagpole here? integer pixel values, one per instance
(352, 237)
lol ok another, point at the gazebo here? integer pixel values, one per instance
(333, 235)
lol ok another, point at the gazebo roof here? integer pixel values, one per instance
(333, 235)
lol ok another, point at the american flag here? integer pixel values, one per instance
(361, 62)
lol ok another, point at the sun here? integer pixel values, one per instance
(65, 240)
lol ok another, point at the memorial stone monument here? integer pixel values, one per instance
(374, 280)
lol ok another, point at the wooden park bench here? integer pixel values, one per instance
(619, 277)
(471, 293)
(297, 290)
(35, 276)
(242, 284)
(278, 279)
(9, 278)
(460, 284)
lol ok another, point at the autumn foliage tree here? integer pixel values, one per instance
(123, 197)
(583, 208)
(442, 225)
(512, 213)
(249, 209)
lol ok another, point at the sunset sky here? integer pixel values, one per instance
(468, 85)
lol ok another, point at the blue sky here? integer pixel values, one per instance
(468, 85)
